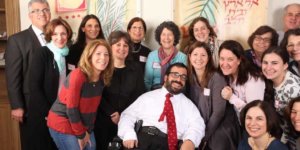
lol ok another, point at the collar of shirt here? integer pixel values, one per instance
(165, 92)
(38, 33)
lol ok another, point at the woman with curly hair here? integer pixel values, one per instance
(167, 34)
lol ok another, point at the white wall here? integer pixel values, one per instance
(156, 11)
(275, 12)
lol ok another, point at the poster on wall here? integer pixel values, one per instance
(231, 19)
(66, 6)
(111, 13)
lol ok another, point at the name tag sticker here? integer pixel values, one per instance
(156, 65)
(71, 67)
(206, 92)
(143, 59)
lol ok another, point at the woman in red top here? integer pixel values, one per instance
(71, 118)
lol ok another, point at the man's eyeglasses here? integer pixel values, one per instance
(259, 39)
(292, 46)
(177, 75)
(38, 11)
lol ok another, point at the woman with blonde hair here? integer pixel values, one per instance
(71, 118)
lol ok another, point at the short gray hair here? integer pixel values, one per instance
(37, 1)
(289, 5)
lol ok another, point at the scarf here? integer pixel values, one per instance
(165, 60)
(59, 55)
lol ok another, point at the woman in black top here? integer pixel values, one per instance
(46, 75)
(126, 86)
(137, 29)
(259, 41)
(89, 29)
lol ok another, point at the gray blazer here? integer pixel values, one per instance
(222, 127)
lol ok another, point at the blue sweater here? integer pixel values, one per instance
(153, 69)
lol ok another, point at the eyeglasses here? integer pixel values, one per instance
(259, 39)
(137, 28)
(38, 11)
(177, 75)
(292, 46)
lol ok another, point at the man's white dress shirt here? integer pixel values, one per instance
(149, 106)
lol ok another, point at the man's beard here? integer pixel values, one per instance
(174, 91)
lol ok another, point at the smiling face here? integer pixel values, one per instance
(256, 122)
(273, 68)
(120, 50)
(293, 47)
(91, 29)
(175, 82)
(60, 36)
(292, 17)
(262, 42)
(167, 39)
(100, 59)
(295, 116)
(136, 32)
(201, 32)
(229, 62)
(39, 14)
(199, 58)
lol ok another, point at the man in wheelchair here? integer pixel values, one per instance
(168, 117)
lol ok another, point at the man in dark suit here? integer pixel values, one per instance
(20, 47)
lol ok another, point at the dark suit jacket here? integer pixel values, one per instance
(20, 47)
(44, 82)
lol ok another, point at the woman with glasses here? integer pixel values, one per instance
(286, 84)
(221, 123)
(260, 40)
(89, 29)
(47, 74)
(245, 81)
(167, 34)
(137, 29)
(291, 42)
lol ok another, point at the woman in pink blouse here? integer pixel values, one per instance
(245, 81)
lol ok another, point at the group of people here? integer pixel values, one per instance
(211, 95)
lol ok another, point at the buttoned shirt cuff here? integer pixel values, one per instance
(130, 136)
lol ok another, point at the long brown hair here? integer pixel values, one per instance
(85, 63)
(209, 68)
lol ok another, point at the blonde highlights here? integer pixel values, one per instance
(85, 62)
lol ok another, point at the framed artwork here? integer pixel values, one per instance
(66, 6)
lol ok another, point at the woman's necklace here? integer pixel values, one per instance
(267, 139)
(136, 50)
